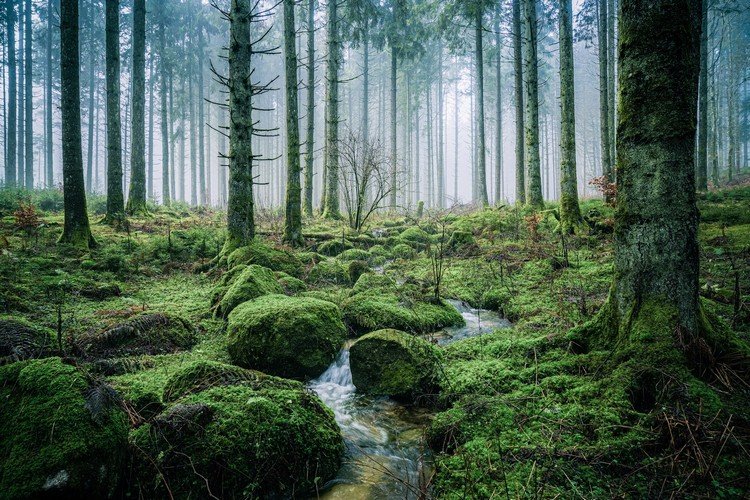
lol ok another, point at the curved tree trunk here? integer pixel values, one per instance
(76, 229)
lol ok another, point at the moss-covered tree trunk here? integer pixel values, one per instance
(331, 206)
(204, 194)
(240, 208)
(49, 147)
(570, 212)
(115, 200)
(534, 197)
(92, 98)
(394, 145)
(76, 229)
(293, 220)
(701, 162)
(310, 109)
(481, 180)
(10, 129)
(440, 177)
(137, 196)
(166, 199)
(606, 149)
(498, 109)
(28, 102)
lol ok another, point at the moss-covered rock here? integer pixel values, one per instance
(394, 363)
(294, 337)
(226, 281)
(20, 339)
(380, 251)
(370, 281)
(253, 282)
(203, 374)
(334, 247)
(148, 333)
(356, 269)
(328, 272)
(263, 255)
(462, 242)
(290, 284)
(59, 435)
(354, 254)
(239, 441)
(416, 237)
(403, 251)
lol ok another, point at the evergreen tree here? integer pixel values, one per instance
(331, 205)
(531, 100)
(293, 221)
(137, 196)
(115, 202)
(10, 129)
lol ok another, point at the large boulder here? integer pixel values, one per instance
(334, 247)
(328, 272)
(20, 339)
(148, 333)
(293, 337)
(245, 440)
(253, 282)
(263, 255)
(396, 364)
(60, 436)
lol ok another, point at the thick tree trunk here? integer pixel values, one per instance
(76, 229)
(293, 221)
(310, 137)
(240, 209)
(481, 180)
(519, 94)
(90, 114)
(166, 197)
(137, 196)
(534, 196)
(570, 213)
(10, 127)
(115, 201)
(331, 208)
(29, 127)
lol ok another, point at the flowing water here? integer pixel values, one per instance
(385, 454)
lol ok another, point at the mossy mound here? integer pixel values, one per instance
(201, 375)
(226, 281)
(19, 340)
(294, 337)
(150, 333)
(368, 311)
(60, 436)
(380, 251)
(239, 441)
(370, 281)
(396, 364)
(253, 282)
(403, 251)
(416, 237)
(462, 243)
(262, 255)
(328, 272)
(332, 248)
(290, 284)
(354, 254)
(356, 269)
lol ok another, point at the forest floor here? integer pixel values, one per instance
(518, 413)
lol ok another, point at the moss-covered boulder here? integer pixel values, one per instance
(60, 436)
(253, 282)
(394, 363)
(378, 309)
(403, 251)
(370, 281)
(356, 269)
(290, 284)
(239, 441)
(415, 236)
(332, 248)
(263, 255)
(148, 333)
(354, 254)
(293, 337)
(328, 272)
(20, 339)
(226, 281)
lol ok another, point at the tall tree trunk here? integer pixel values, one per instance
(29, 125)
(455, 136)
(519, 94)
(76, 229)
(606, 149)
(115, 201)
(90, 114)
(534, 196)
(498, 110)
(10, 126)
(366, 83)
(394, 145)
(137, 196)
(21, 174)
(701, 163)
(191, 122)
(240, 210)
(201, 122)
(611, 80)
(150, 167)
(48, 100)
(481, 181)
(441, 132)
(166, 197)
(331, 208)
(293, 221)
(570, 212)
(310, 137)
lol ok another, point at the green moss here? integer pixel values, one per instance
(290, 284)
(334, 247)
(461, 240)
(380, 251)
(403, 251)
(294, 337)
(59, 436)
(354, 254)
(394, 363)
(239, 441)
(263, 255)
(370, 281)
(253, 282)
(20, 339)
(416, 237)
(356, 269)
(328, 272)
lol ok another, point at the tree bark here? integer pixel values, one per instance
(293, 220)
(29, 125)
(701, 163)
(606, 149)
(76, 230)
(202, 180)
(519, 94)
(115, 201)
(481, 133)
(21, 93)
(310, 138)
(10, 127)
(498, 110)
(90, 114)
(151, 85)
(331, 208)
(441, 131)
(137, 196)
(394, 145)
(48, 100)
(570, 212)
(534, 196)
(166, 197)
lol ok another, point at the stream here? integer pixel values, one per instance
(385, 455)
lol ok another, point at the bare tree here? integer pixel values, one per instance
(365, 177)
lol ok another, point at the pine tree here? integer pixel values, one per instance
(331, 207)
(115, 202)
(10, 159)
(534, 196)
(293, 221)
(137, 196)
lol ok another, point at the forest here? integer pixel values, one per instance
(375, 249)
